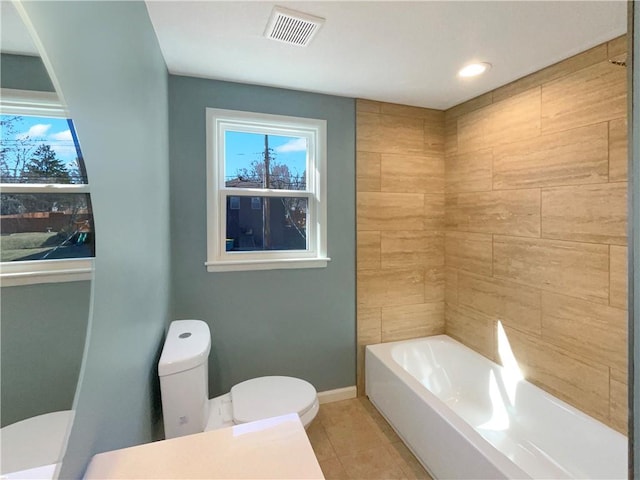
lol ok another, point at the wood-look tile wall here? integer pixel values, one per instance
(400, 224)
(535, 228)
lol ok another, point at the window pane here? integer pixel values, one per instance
(254, 160)
(39, 150)
(279, 223)
(45, 226)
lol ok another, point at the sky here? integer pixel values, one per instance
(50, 131)
(243, 148)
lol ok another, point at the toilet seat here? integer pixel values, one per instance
(265, 397)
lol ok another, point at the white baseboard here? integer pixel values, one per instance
(338, 394)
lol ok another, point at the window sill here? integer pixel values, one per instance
(47, 271)
(247, 265)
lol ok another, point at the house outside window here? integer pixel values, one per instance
(46, 221)
(266, 191)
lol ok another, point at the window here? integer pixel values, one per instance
(266, 193)
(46, 222)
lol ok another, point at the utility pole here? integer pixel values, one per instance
(267, 203)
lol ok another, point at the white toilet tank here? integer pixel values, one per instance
(184, 381)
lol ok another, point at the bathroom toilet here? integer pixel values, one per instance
(184, 385)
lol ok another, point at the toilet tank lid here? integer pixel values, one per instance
(187, 346)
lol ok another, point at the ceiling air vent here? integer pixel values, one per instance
(294, 28)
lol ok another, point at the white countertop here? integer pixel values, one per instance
(275, 448)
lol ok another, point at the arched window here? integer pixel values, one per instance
(46, 222)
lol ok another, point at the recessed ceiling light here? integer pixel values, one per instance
(474, 69)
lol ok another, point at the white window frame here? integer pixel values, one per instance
(218, 121)
(45, 104)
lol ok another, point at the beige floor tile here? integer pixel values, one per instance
(352, 440)
(373, 463)
(320, 441)
(379, 420)
(408, 463)
(357, 435)
(336, 413)
(333, 469)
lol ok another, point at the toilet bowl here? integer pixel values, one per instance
(184, 386)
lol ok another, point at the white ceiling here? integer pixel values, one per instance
(393, 51)
(14, 36)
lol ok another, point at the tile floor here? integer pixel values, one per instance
(353, 441)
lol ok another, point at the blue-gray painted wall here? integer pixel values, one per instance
(23, 72)
(274, 322)
(111, 73)
(43, 330)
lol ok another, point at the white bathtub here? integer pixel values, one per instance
(464, 416)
